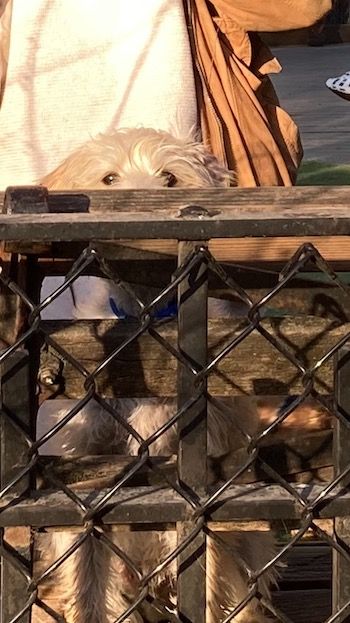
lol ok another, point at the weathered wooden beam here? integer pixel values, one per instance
(253, 249)
(313, 214)
(191, 214)
(248, 249)
(145, 368)
(294, 199)
(152, 505)
(293, 456)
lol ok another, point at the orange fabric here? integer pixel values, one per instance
(241, 118)
(272, 15)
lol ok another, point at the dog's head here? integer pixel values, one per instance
(139, 158)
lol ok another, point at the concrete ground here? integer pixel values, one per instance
(323, 118)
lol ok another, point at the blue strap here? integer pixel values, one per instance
(169, 311)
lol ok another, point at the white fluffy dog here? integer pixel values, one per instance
(95, 585)
(132, 158)
(139, 158)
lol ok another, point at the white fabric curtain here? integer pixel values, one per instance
(81, 67)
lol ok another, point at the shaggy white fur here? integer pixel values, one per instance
(95, 585)
(139, 158)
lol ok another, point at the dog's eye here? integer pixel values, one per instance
(110, 179)
(170, 178)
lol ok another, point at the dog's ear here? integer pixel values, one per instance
(65, 176)
(206, 166)
(216, 172)
(79, 170)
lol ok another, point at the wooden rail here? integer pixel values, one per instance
(146, 368)
(256, 213)
(296, 458)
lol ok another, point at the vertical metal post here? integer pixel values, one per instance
(192, 458)
(341, 446)
(14, 407)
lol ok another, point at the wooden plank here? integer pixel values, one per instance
(252, 249)
(125, 226)
(292, 456)
(191, 214)
(255, 212)
(146, 369)
(154, 504)
(269, 198)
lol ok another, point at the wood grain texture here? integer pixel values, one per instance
(294, 457)
(155, 504)
(145, 368)
(300, 214)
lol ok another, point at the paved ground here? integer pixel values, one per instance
(324, 118)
